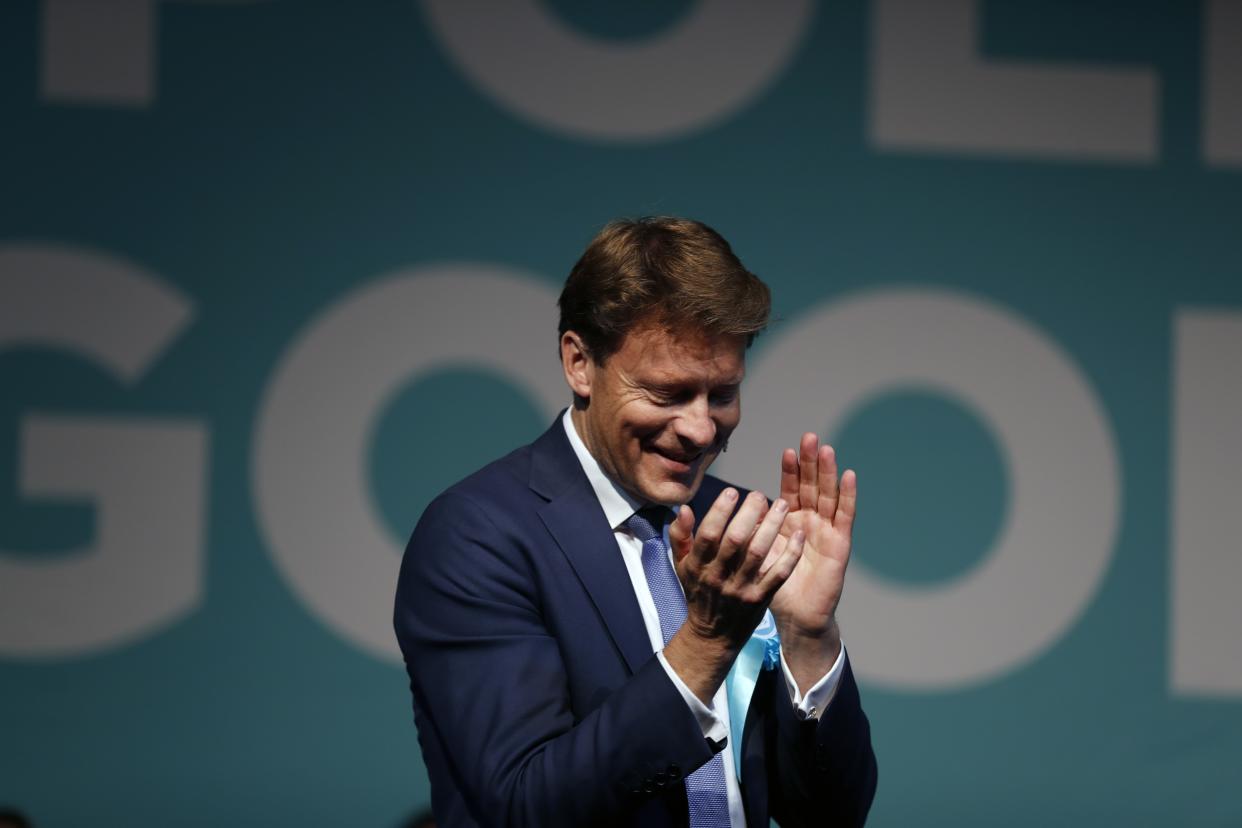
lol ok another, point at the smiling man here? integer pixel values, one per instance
(585, 622)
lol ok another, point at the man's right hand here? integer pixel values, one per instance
(729, 581)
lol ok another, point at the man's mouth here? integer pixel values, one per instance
(675, 460)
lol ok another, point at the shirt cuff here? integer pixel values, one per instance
(820, 695)
(713, 726)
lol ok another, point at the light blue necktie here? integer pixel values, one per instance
(705, 788)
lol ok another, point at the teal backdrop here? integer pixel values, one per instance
(274, 273)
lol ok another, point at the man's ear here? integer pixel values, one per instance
(577, 364)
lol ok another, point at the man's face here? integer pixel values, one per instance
(661, 408)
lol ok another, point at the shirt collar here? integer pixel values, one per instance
(618, 505)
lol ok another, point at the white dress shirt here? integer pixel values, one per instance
(618, 506)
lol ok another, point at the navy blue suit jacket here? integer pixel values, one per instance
(537, 697)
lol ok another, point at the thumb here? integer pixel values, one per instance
(681, 533)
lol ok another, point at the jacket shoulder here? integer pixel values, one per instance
(498, 478)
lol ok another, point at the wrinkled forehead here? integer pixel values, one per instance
(667, 353)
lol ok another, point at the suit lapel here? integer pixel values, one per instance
(576, 522)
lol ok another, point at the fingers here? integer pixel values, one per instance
(789, 478)
(826, 505)
(808, 482)
(784, 565)
(681, 532)
(809, 477)
(847, 506)
(712, 528)
(761, 541)
(737, 537)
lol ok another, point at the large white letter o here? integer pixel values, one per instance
(1057, 537)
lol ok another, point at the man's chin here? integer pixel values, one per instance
(673, 492)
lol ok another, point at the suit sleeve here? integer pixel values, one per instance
(821, 772)
(490, 687)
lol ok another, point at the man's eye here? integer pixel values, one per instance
(724, 397)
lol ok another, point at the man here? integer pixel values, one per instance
(579, 618)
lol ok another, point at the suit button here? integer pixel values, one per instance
(648, 786)
(636, 792)
(661, 778)
(673, 770)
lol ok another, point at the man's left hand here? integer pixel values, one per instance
(823, 507)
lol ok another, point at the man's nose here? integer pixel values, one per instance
(696, 425)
